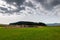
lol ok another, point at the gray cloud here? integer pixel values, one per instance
(48, 5)
(10, 2)
(5, 10)
(56, 2)
(29, 4)
(18, 2)
(45, 3)
(41, 1)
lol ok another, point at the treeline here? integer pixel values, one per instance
(28, 23)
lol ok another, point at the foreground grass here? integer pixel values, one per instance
(43, 33)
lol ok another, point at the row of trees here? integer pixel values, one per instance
(28, 23)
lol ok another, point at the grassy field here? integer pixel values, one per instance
(43, 33)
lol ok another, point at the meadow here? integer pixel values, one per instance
(42, 33)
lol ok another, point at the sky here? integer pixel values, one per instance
(46, 11)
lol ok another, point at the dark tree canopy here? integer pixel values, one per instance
(28, 23)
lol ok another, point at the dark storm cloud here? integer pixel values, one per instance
(56, 2)
(18, 2)
(40, 1)
(43, 2)
(50, 5)
(29, 4)
(3, 8)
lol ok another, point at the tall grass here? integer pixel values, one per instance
(43, 33)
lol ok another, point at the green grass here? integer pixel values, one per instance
(44, 33)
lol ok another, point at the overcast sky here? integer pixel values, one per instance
(46, 11)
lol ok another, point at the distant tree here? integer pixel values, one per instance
(42, 24)
(29, 24)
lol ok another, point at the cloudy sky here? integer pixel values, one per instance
(47, 11)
